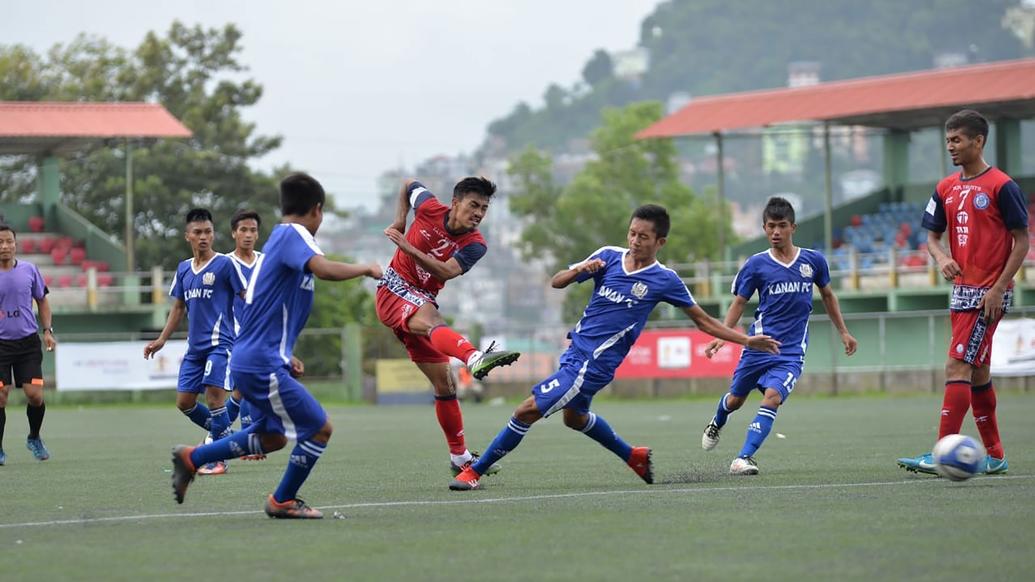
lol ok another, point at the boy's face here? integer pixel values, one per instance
(779, 231)
(246, 234)
(200, 235)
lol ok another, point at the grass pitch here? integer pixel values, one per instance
(829, 504)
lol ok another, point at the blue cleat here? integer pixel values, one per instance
(39, 450)
(994, 466)
(3, 457)
(922, 464)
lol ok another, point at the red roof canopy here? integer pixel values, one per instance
(902, 101)
(52, 127)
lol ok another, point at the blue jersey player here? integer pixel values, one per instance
(783, 277)
(204, 287)
(278, 301)
(627, 284)
(244, 229)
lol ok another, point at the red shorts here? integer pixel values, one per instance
(971, 337)
(394, 309)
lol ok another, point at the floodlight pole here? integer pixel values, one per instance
(828, 198)
(720, 193)
(130, 258)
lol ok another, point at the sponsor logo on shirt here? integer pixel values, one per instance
(197, 294)
(981, 201)
(208, 278)
(639, 289)
(790, 287)
(806, 270)
(308, 283)
(614, 296)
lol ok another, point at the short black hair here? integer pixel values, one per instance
(474, 185)
(657, 215)
(244, 214)
(778, 208)
(970, 122)
(198, 215)
(300, 193)
(4, 227)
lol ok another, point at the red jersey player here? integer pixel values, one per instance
(986, 218)
(442, 243)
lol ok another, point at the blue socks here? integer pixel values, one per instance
(220, 422)
(246, 414)
(236, 445)
(199, 415)
(598, 430)
(758, 430)
(722, 413)
(507, 440)
(233, 407)
(303, 458)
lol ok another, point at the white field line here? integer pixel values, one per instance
(471, 498)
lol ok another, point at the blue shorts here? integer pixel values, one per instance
(573, 385)
(765, 371)
(280, 404)
(197, 372)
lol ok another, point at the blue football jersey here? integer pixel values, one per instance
(784, 296)
(246, 271)
(621, 302)
(278, 300)
(209, 293)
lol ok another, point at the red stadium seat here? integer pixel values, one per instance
(47, 244)
(36, 223)
(48, 280)
(104, 280)
(27, 246)
(81, 280)
(59, 254)
(856, 220)
(77, 255)
(65, 281)
(102, 266)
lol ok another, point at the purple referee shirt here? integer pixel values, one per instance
(18, 287)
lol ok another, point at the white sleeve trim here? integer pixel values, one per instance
(307, 237)
(415, 194)
(595, 253)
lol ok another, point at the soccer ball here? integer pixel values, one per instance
(958, 457)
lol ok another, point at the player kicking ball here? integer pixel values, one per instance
(277, 305)
(627, 283)
(442, 243)
(783, 277)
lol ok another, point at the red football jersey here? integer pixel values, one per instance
(977, 215)
(429, 234)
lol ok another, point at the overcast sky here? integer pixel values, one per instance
(358, 88)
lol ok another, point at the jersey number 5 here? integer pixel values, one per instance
(545, 388)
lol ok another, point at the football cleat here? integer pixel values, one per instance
(182, 472)
(467, 480)
(992, 466)
(457, 469)
(259, 457)
(920, 464)
(492, 359)
(743, 466)
(291, 509)
(3, 457)
(641, 464)
(710, 438)
(216, 468)
(39, 450)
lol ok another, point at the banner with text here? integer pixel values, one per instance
(1013, 348)
(117, 366)
(677, 353)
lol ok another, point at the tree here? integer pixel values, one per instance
(598, 68)
(566, 225)
(195, 73)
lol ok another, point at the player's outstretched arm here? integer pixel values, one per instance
(715, 328)
(329, 270)
(175, 315)
(733, 315)
(566, 277)
(834, 312)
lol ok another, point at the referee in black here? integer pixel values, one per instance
(21, 352)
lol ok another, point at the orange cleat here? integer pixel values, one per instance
(217, 468)
(183, 471)
(291, 509)
(467, 480)
(640, 463)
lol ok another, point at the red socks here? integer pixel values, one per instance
(451, 343)
(984, 417)
(954, 407)
(447, 409)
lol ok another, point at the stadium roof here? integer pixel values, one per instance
(1004, 89)
(59, 128)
